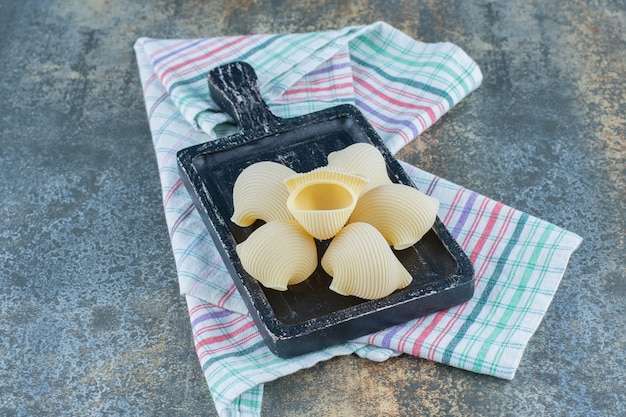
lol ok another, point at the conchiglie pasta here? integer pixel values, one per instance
(363, 159)
(362, 264)
(402, 214)
(278, 254)
(323, 199)
(259, 193)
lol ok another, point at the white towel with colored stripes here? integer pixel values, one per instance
(402, 86)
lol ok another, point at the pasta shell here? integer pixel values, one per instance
(259, 193)
(402, 214)
(323, 199)
(279, 253)
(362, 263)
(363, 159)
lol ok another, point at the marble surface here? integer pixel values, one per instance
(91, 322)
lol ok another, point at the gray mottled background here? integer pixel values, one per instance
(91, 322)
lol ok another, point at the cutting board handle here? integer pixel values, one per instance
(235, 88)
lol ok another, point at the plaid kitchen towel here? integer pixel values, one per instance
(402, 86)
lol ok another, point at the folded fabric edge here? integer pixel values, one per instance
(575, 241)
(566, 242)
(326, 43)
(246, 376)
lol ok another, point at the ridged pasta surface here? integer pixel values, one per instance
(278, 254)
(259, 193)
(363, 159)
(362, 264)
(402, 214)
(323, 199)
